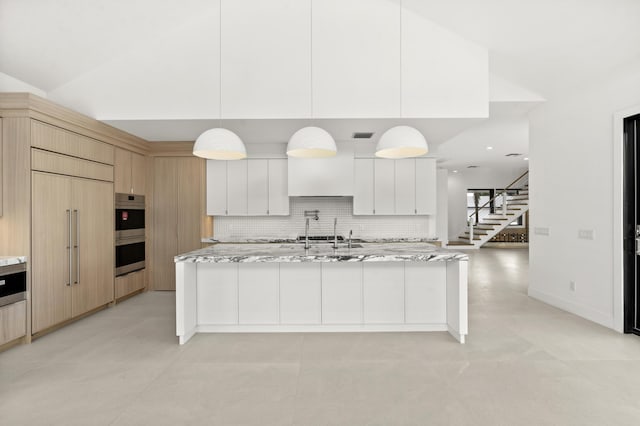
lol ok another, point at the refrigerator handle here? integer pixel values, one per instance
(69, 246)
(77, 246)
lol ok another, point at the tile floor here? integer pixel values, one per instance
(525, 363)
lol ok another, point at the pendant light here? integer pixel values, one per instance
(401, 141)
(219, 143)
(311, 141)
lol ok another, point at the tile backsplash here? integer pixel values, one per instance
(230, 228)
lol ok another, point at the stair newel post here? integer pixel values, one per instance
(504, 203)
(471, 230)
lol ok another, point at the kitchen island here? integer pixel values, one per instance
(281, 287)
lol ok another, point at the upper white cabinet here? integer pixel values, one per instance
(254, 187)
(443, 75)
(257, 187)
(356, 58)
(384, 186)
(405, 188)
(237, 191)
(216, 188)
(426, 186)
(266, 67)
(394, 187)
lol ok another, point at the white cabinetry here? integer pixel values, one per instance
(216, 188)
(237, 191)
(300, 293)
(258, 294)
(217, 288)
(255, 187)
(405, 187)
(384, 187)
(425, 293)
(425, 186)
(383, 292)
(321, 296)
(341, 293)
(394, 187)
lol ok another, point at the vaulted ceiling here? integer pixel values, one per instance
(537, 49)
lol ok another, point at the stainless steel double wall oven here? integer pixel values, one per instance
(130, 233)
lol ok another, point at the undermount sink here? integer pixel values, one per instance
(323, 245)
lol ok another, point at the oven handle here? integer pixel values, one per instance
(69, 246)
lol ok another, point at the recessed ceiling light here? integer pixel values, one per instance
(455, 171)
(526, 158)
(489, 148)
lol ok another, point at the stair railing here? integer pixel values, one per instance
(470, 220)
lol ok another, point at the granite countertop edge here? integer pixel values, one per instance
(295, 253)
(12, 260)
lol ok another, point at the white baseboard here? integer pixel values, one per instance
(602, 318)
(318, 328)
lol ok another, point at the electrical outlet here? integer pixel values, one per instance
(586, 234)
(541, 231)
(572, 285)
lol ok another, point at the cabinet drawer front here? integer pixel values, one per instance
(127, 284)
(13, 321)
(55, 139)
(62, 164)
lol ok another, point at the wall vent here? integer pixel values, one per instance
(513, 155)
(472, 167)
(362, 135)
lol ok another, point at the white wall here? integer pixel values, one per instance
(442, 205)
(479, 178)
(10, 84)
(572, 168)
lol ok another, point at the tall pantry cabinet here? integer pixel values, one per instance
(179, 219)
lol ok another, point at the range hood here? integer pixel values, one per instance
(323, 177)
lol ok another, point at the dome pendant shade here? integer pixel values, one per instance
(219, 144)
(401, 142)
(311, 142)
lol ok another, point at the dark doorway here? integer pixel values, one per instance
(631, 224)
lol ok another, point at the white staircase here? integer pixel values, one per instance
(506, 209)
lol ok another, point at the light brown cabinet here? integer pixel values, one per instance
(130, 283)
(72, 247)
(13, 322)
(130, 171)
(1, 171)
(178, 211)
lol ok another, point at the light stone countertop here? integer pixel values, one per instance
(12, 260)
(319, 252)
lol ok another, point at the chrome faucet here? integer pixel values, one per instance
(335, 235)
